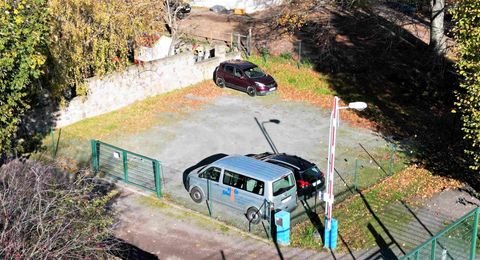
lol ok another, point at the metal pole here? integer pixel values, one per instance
(355, 175)
(331, 163)
(267, 136)
(474, 235)
(249, 41)
(434, 248)
(52, 133)
(392, 152)
(300, 51)
(125, 165)
(158, 174)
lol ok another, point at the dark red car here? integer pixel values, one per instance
(244, 76)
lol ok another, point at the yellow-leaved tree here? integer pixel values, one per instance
(94, 37)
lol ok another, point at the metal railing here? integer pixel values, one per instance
(456, 241)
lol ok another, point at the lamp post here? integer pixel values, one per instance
(265, 133)
(332, 138)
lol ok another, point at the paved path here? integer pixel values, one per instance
(166, 231)
(171, 232)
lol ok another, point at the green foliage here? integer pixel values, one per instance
(467, 35)
(22, 38)
(94, 37)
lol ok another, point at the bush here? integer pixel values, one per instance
(467, 34)
(50, 215)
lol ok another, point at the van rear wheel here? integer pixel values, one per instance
(253, 215)
(196, 195)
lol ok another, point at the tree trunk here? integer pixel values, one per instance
(437, 27)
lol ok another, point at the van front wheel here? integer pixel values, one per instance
(253, 215)
(196, 195)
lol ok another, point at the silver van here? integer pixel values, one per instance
(244, 184)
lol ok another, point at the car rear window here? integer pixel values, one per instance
(282, 185)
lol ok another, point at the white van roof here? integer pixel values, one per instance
(252, 167)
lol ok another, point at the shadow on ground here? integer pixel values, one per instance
(409, 90)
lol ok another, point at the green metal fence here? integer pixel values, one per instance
(456, 241)
(132, 168)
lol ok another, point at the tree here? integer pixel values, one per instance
(23, 30)
(46, 214)
(437, 27)
(467, 35)
(94, 37)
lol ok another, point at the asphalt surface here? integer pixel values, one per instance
(227, 125)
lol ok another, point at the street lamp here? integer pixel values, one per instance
(332, 138)
(265, 133)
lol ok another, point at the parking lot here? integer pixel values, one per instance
(227, 125)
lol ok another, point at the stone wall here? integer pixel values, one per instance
(250, 6)
(139, 82)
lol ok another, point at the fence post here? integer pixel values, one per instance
(52, 134)
(249, 41)
(93, 144)
(125, 165)
(158, 174)
(392, 153)
(434, 248)
(299, 53)
(474, 235)
(355, 175)
(209, 204)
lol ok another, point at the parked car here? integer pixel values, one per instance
(307, 175)
(244, 76)
(244, 184)
(180, 9)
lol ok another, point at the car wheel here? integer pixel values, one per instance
(253, 215)
(251, 91)
(196, 195)
(220, 82)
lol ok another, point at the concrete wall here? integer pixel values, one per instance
(249, 6)
(159, 50)
(139, 82)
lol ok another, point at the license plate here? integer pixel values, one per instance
(272, 89)
(287, 199)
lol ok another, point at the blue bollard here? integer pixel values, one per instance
(331, 235)
(282, 223)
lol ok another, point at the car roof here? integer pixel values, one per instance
(294, 160)
(242, 64)
(252, 167)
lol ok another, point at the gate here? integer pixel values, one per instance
(129, 167)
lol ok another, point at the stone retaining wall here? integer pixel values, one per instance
(139, 82)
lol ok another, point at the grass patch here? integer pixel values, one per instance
(287, 72)
(152, 202)
(358, 215)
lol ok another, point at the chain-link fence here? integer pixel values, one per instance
(365, 169)
(69, 150)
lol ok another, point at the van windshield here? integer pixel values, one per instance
(282, 185)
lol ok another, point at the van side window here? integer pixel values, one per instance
(254, 186)
(234, 179)
(212, 173)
